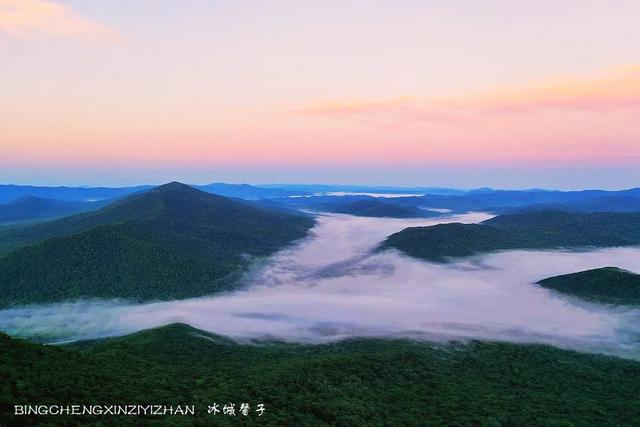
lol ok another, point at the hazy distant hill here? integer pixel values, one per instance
(596, 204)
(78, 194)
(246, 191)
(608, 285)
(349, 383)
(381, 208)
(358, 205)
(382, 189)
(171, 242)
(30, 208)
(530, 230)
(501, 201)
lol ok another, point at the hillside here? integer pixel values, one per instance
(606, 285)
(170, 242)
(355, 382)
(529, 230)
(30, 208)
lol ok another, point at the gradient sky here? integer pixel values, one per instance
(450, 93)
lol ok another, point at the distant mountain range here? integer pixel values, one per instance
(337, 198)
(170, 242)
(608, 285)
(503, 201)
(348, 383)
(595, 204)
(530, 230)
(486, 200)
(83, 194)
(337, 188)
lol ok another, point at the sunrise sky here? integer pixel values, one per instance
(472, 93)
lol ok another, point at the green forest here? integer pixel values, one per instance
(170, 242)
(609, 285)
(349, 383)
(529, 230)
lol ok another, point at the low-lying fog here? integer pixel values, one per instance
(332, 285)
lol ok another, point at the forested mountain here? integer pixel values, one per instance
(349, 383)
(171, 242)
(529, 230)
(606, 285)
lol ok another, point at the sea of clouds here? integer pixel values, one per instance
(334, 285)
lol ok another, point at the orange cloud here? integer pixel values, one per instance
(617, 89)
(29, 18)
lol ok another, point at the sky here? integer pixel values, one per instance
(440, 93)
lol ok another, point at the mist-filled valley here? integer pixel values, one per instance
(334, 284)
(319, 303)
(320, 213)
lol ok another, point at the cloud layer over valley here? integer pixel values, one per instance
(333, 285)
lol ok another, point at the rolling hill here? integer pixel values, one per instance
(348, 383)
(529, 230)
(605, 285)
(171, 242)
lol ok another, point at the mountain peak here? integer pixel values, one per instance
(173, 186)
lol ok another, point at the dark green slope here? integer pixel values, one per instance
(608, 285)
(171, 242)
(350, 383)
(529, 230)
(436, 243)
(105, 262)
(550, 228)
